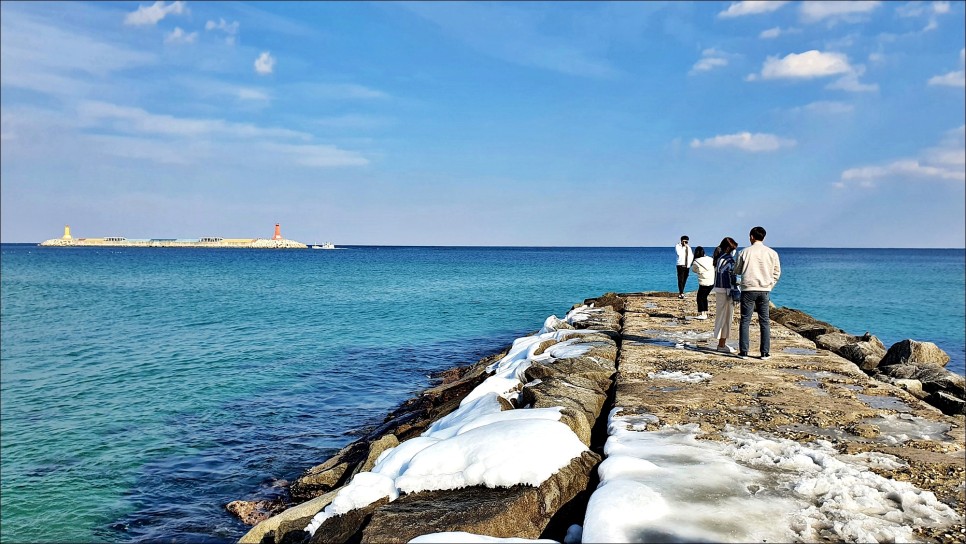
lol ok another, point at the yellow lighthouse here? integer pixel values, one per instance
(66, 235)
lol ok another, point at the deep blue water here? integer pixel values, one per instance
(143, 389)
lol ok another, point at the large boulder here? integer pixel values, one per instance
(867, 352)
(834, 341)
(516, 512)
(802, 323)
(913, 351)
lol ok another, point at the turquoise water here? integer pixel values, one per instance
(142, 389)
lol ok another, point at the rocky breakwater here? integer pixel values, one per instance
(802, 447)
(916, 366)
(674, 442)
(501, 448)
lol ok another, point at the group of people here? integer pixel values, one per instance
(759, 268)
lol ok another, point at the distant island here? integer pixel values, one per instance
(275, 242)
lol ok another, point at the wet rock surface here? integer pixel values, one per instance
(802, 393)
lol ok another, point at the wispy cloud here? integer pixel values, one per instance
(826, 107)
(850, 12)
(770, 33)
(230, 29)
(180, 36)
(710, 59)
(132, 120)
(953, 79)
(512, 34)
(151, 15)
(64, 63)
(265, 63)
(321, 156)
(338, 91)
(751, 7)
(945, 162)
(850, 82)
(745, 141)
(930, 10)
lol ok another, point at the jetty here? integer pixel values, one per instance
(277, 241)
(621, 423)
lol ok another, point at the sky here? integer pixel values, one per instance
(831, 124)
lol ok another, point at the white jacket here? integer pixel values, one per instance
(759, 267)
(704, 268)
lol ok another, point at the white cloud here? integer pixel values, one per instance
(751, 7)
(953, 79)
(230, 29)
(150, 15)
(745, 141)
(265, 63)
(945, 162)
(809, 64)
(825, 107)
(815, 11)
(770, 33)
(710, 59)
(180, 36)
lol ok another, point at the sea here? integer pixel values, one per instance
(143, 389)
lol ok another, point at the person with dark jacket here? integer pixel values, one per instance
(724, 282)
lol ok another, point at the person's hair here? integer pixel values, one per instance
(698, 252)
(727, 245)
(683, 238)
(758, 234)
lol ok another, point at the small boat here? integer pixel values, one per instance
(327, 245)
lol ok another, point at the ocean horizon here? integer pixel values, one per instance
(143, 389)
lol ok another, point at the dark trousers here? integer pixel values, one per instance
(703, 291)
(682, 278)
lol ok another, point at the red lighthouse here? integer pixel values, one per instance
(278, 232)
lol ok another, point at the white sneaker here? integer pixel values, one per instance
(727, 349)
(700, 317)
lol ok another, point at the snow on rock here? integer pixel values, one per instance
(678, 376)
(479, 443)
(670, 485)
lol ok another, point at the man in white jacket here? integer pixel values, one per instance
(759, 268)
(685, 258)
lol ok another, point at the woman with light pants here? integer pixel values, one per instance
(724, 281)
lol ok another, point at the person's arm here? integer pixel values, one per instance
(776, 270)
(738, 270)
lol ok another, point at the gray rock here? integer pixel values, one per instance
(866, 353)
(584, 397)
(345, 527)
(913, 351)
(802, 323)
(375, 450)
(948, 403)
(515, 512)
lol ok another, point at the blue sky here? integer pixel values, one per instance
(831, 124)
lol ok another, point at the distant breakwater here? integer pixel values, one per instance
(621, 359)
(244, 243)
